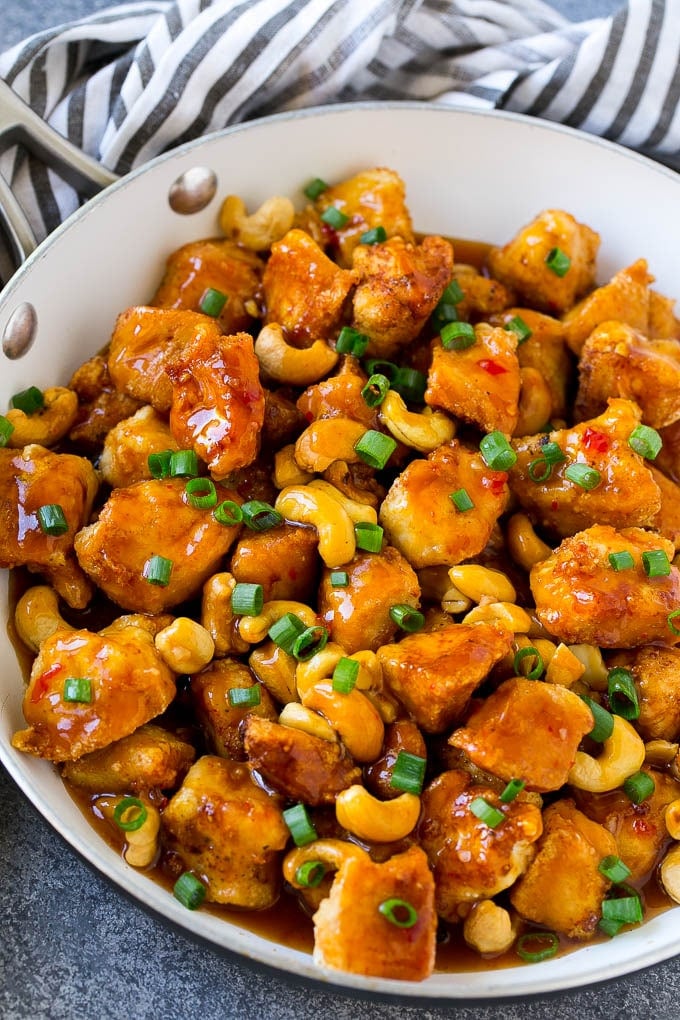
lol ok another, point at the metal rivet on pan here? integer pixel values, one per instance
(20, 331)
(193, 190)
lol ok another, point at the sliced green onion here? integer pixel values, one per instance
(259, 516)
(375, 448)
(78, 688)
(497, 452)
(157, 570)
(6, 430)
(334, 217)
(529, 653)
(244, 697)
(183, 464)
(398, 912)
(646, 441)
(159, 463)
(376, 389)
(247, 599)
(130, 814)
(623, 697)
(386, 368)
(345, 675)
(539, 470)
(212, 302)
(189, 891)
(374, 236)
(351, 341)
(452, 295)
(312, 640)
(410, 384)
(656, 563)
(406, 617)
(553, 453)
(603, 721)
(623, 909)
(310, 874)
(202, 493)
(228, 513)
(486, 812)
(621, 560)
(29, 401)
(558, 262)
(457, 336)
(613, 868)
(461, 500)
(51, 519)
(638, 787)
(340, 578)
(408, 773)
(316, 187)
(546, 942)
(514, 787)
(610, 928)
(285, 630)
(518, 326)
(587, 477)
(299, 824)
(368, 537)
(670, 620)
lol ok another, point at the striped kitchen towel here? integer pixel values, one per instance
(136, 80)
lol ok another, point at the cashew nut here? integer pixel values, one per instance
(660, 752)
(297, 717)
(327, 440)
(672, 819)
(482, 584)
(424, 430)
(595, 673)
(292, 365)
(622, 755)
(321, 666)
(524, 545)
(304, 505)
(352, 715)
(510, 615)
(564, 668)
(358, 513)
(535, 403)
(142, 844)
(275, 669)
(217, 616)
(37, 617)
(185, 646)
(48, 425)
(331, 853)
(376, 821)
(488, 928)
(286, 468)
(255, 628)
(669, 873)
(262, 228)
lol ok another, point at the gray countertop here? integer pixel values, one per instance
(73, 945)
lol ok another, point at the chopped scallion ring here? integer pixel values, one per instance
(656, 563)
(316, 187)
(621, 560)
(29, 401)
(228, 513)
(351, 341)
(368, 537)
(638, 787)
(558, 262)
(130, 814)
(159, 463)
(247, 599)
(259, 516)
(51, 519)
(285, 630)
(386, 368)
(309, 642)
(410, 384)
(461, 500)
(334, 217)
(189, 890)
(603, 721)
(529, 653)
(613, 868)
(452, 295)
(157, 570)
(244, 697)
(581, 474)
(623, 909)
(340, 578)
(345, 675)
(610, 928)
(310, 874)
(539, 470)
(670, 620)
(78, 688)
(406, 617)
(408, 773)
(376, 389)
(183, 464)
(514, 787)
(457, 336)
(6, 430)
(300, 825)
(623, 697)
(398, 912)
(497, 452)
(553, 453)
(375, 448)
(201, 493)
(546, 942)
(212, 302)
(518, 326)
(486, 812)
(646, 441)
(376, 235)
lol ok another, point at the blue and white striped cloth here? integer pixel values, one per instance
(136, 80)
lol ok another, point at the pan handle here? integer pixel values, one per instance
(19, 124)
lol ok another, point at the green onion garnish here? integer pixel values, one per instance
(202, 493)
(315, 188)
(529, 653)
(457, 336)
(656, 563)
(159, 463)
(646, 441)
(6, 430)
(587, 477)
(610, 928)
(623, 697)
(310, 874)
(399, 912)
(546, 942)
(351, 341)
(299, 824)
(406, 617)
(340, 578)
(452, 295)
(613, 868)
(553, 453)
(603, 721)
(247, 599)
(309, 642)
(461, 500)
(345, 675)
(670, 620)
(189, 891)
(558, 262)
(244, 697)
(539, 470)
(639, 787)
(228, 513)
(375, 448)
(408, 773)
(518, 326)
(621, 560)
(212, 302)
(78, 688)
(260, 516)
(285, 630)
(375, 390)
(623, 909)
(374, 236)
(410, 384)
(368, 537)
(51, 519)
(386, 368)
(157, 570)
(130, 814)
(514, 787)
(29, 401)
(486, 812)
(497, 452)
(334, 217)
(183, 464)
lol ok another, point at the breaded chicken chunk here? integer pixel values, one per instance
(545, 350)
(483, 296)
(100, 404)
(283, 560)
(656, 671)
(663, 323)
(227, 829)
(625, 298)
(667, 521)
(580, 598)
(221, 720)
(151, 758)
(125, 457)
(339, 396)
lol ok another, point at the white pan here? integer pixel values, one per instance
(473, 175)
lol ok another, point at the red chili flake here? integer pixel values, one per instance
(41, 682)
(492, 367)
(594, 440)
(292, 573)
(330, 234)
(554, 504)
(309, 416)
(495, 482)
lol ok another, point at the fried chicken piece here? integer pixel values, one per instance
(663, 323)
(545, 350)
(153, 518)
(526, 730)
(625, 298)
(283, 560)
(483, 296)
(33, 478)
(227, 829)
(301, 766)
(350, 932)
(402, 735)
(125, 457)
(101, 405)
(435, 674)
(420, 518)
(563, 887)
(581, 599)
(217, 400)
(399, 285)
(282, 421)
(667, 521)
(221, 720)
(668, 458)
(339, 396)
(521, 263)
(656, 671)
(151, 758)
(480, 384)
(129, 684)
(471, 860)
(626, 493)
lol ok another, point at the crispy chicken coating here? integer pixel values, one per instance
(435, 674)
(151, 758)
(526, 730)
(563, 888)
(483, 296)
(217, 400)
(668, 458)
(470, 859)
(226, 828)
(399, 285)
(580, 598)
(625, 298)
(100, 404)
(545, 350)
(339, 396)
(667, 521)
(656, 671)
(662, 320)
(420, 518)
(129, 684)
(283, 560)
(480, 384)
(125, 457)
(351, 933)
(221, 720)
(153, 518)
